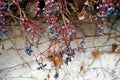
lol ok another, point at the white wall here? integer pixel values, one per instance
(16, 65)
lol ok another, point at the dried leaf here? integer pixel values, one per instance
(95, 53)
(31, 13)
(48, 76)
(118, 50)
(114, 46)
(82, 14)
(81, 68)
(56, 62)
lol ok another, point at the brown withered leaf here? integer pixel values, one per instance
(81, 68)
(114, 46)
(48, 76)
(95, 53)
(118, 50)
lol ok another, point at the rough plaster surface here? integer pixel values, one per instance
(16, 65)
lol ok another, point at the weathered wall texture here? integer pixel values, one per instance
(16, 65)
